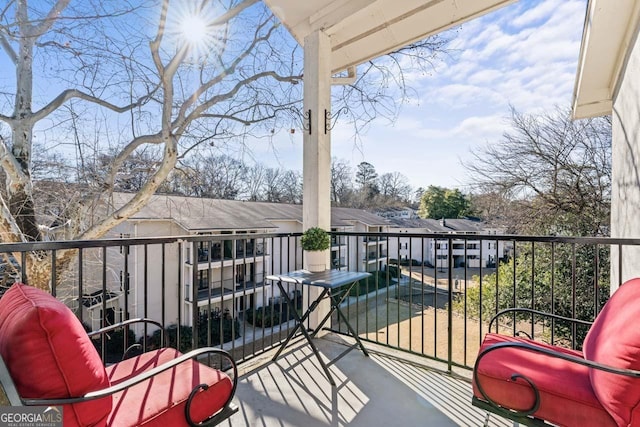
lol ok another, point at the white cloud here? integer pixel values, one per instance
(482, 127)
(485, 77)
(457, 96)
(523, 55)
(537, 13)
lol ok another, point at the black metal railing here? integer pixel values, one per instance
(419, 299)
(433, 294)
(111, 280)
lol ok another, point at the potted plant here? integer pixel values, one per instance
(315, 241)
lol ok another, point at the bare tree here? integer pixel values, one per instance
(272, 185)
(394, 186)
(341, 182)
(218, 176)
(291, 183)
(557, 173)
(166, 110)
(160, 96)
(254, 182)
(377, 77)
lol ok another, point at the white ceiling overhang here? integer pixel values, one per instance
(361, 30)
(609, 30)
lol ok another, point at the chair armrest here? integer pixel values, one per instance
(536, 312)
(97, 394)
(126, 323)
(123, 324)
(548, 352)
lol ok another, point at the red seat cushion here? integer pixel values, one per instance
(614, 339)
(566, 397)
(161, 401)
(49, 354)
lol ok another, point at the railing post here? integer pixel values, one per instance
(450, 306)
(194, 295)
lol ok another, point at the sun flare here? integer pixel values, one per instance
(193, 29)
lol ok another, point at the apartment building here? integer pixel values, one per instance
(397, 213)
(435, 251)
(225, 269)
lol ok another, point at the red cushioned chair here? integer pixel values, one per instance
(46, 358)
(535, 383)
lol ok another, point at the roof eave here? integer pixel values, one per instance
(609, 31)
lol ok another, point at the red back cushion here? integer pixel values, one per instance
(614, 339)
(49, 354)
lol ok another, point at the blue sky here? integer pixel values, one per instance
(523, 55)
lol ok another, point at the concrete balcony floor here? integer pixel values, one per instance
(387, 389)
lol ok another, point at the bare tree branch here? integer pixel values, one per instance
(140, 198)
(8, 49)
(232, 13)
(49, 20)
(556, 172)
(74, 93)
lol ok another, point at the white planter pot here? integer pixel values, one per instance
(315, 260)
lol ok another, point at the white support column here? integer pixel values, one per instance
(316, 198)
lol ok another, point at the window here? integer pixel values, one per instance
(203, 279)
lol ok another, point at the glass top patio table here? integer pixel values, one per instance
(329, 281)
(324, 279)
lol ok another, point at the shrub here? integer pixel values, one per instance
(378, 280)
(273, 314)
(220, 325)
(315, 239)
(114, 344)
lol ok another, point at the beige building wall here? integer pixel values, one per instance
(625, 197)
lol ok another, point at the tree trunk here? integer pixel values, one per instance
(20, 193)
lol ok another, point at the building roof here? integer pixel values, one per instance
(361, 30)
(609, 31)
(200, 214)
(447, 225)
(392, 211)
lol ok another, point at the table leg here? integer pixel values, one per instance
(340, 313)
(300, 325)
(355, 335)
(299, 321)
(335, 306)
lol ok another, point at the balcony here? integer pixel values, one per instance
(419, 322)
(375, 256)
(211, 252)
(338, 262)
(374, 239)
(337, 241)
(380, 390)
(224, 289)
